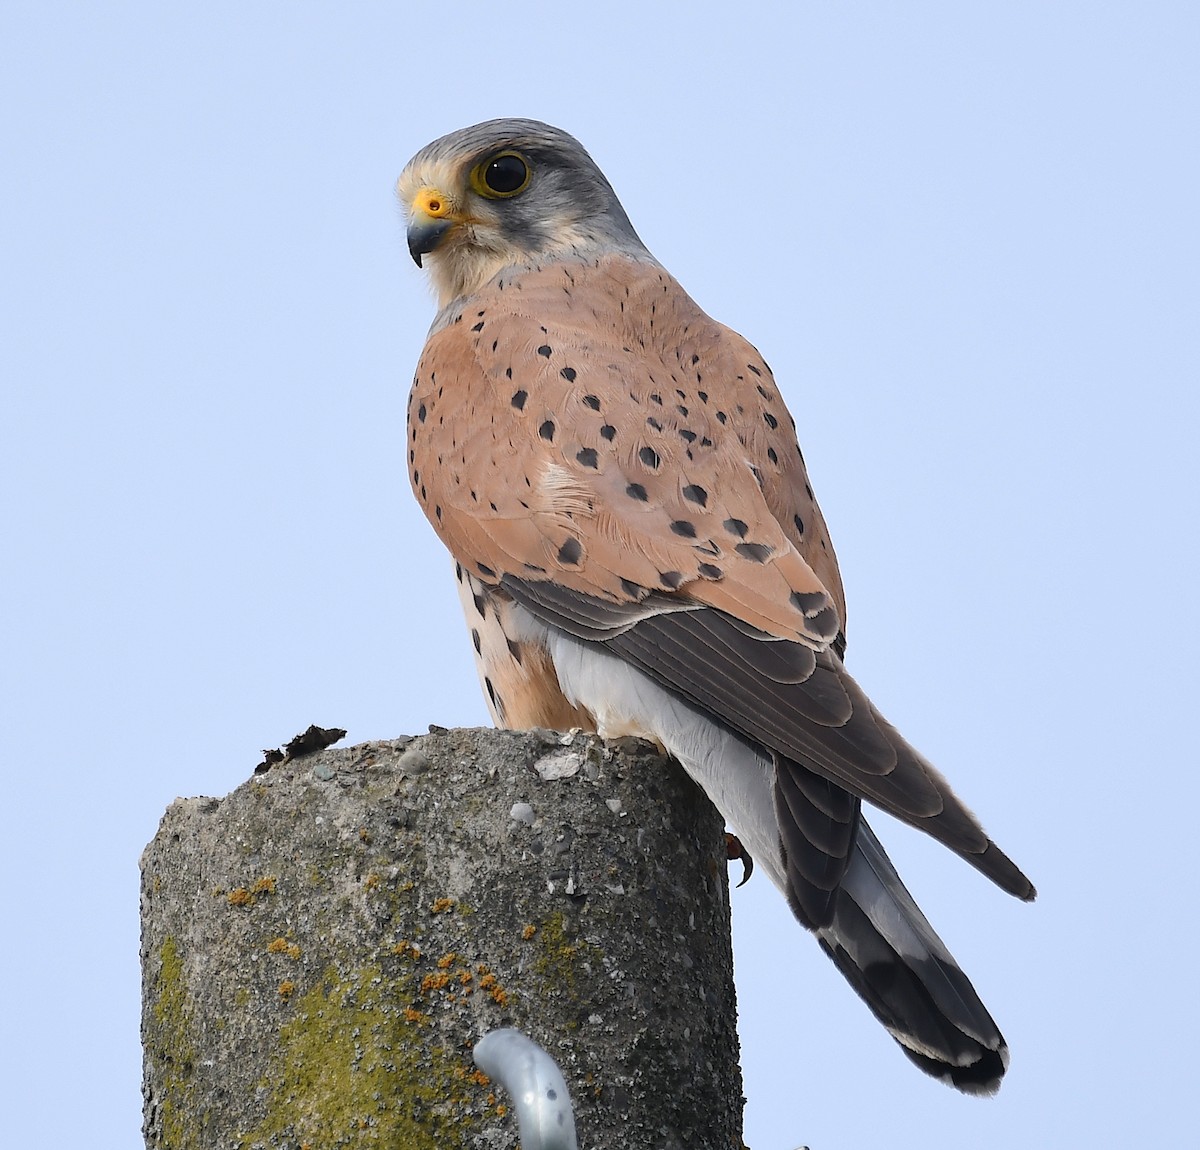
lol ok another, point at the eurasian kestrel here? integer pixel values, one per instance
(639, 553)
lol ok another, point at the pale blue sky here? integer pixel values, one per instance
(964, 236)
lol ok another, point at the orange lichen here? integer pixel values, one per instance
(529, 932)
(371, 881)
(491, 984)
(435, 981)
(277, 946)
(406, 949)
(442, 904)
(264, 885)
(286, 989)
(411, 1015)
(446, 960)
(240, 896)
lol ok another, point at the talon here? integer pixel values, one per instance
(735, 850)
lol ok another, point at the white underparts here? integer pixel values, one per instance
(623, 701)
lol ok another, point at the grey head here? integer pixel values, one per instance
(507, 192)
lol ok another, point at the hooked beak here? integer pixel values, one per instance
(424, 235)
(433, 215)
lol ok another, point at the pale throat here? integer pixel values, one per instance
(460, 268)
(467, 261)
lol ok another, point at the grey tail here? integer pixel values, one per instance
(888, 952)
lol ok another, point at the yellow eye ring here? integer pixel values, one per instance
(501, 176)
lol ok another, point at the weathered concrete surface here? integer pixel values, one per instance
(321, 948)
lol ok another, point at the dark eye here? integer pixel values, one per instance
(505, 174)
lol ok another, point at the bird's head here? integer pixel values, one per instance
(506, 192)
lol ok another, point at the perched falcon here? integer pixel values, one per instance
(639, 553)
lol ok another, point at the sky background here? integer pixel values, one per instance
(964, 236)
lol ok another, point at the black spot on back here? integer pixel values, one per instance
(824, 623)
(758, 552)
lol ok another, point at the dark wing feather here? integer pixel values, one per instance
(817, 838)
(755, 685)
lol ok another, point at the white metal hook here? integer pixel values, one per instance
(535, 1083)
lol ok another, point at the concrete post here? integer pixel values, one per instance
(322, 948)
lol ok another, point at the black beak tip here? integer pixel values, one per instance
(424, 236)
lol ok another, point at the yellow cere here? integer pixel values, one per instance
(431, 202)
